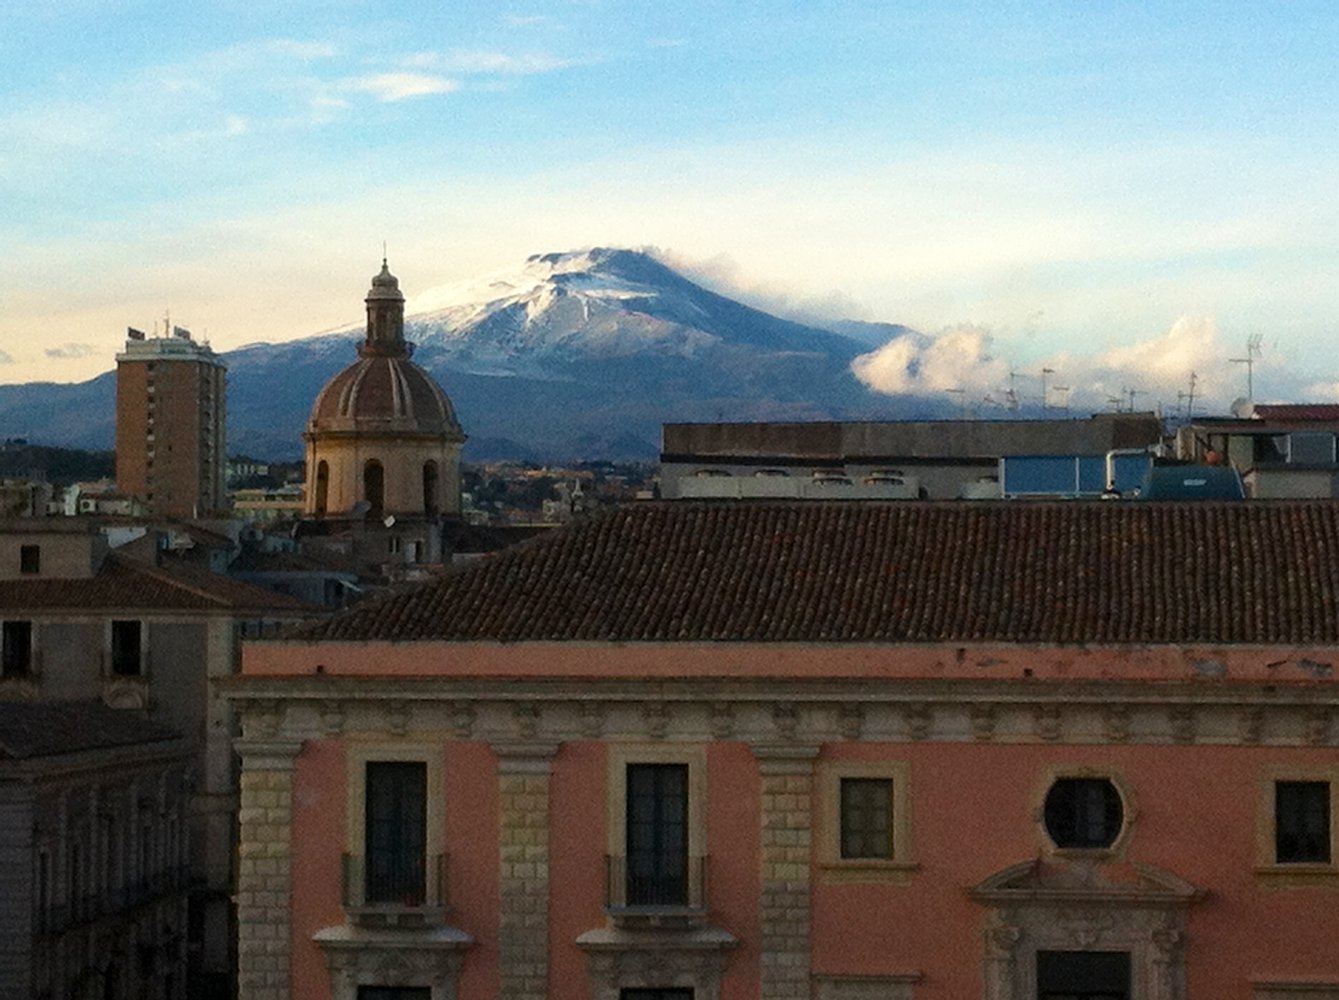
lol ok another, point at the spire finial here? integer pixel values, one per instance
(383, 254)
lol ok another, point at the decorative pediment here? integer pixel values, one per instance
(361, 956)
(1077, 882)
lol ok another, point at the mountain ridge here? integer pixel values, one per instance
(576, 354)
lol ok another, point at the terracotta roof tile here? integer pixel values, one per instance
(123, 583)
(1259, 573)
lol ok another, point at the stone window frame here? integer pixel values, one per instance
(618, 757)
(358, 756)
(896, 869)
(1286, 873)
(1129, 811)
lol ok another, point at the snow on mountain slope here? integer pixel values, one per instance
(591, 304)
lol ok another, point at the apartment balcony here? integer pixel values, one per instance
(394, 890)
(665, 893)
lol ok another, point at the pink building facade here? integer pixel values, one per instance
(727, 752)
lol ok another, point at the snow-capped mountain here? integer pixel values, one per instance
(571, 354)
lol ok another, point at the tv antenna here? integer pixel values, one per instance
(1044, 373)
(961, 394)
(1252, 352)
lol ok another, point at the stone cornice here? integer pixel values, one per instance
(529, 720)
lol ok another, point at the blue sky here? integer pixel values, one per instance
(1115, 188)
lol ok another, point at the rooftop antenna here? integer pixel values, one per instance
(383, 254)
(1190, 397)
(1118, 402)
(1252, 352)
(1132, 392)
(1044, 373)
(1064, 404)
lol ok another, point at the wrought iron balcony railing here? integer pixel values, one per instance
(656, 890)
(395, 888)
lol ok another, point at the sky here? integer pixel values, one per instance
(1121, 192)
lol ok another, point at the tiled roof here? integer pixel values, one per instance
(39, 729)
(123, 584)
(1075, 572)
(1297, 411)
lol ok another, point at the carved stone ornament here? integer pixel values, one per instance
(1116, 723)
(1252, 723)
(851, 720)
(397, 717)
(525, 716)
(1318, 725)
(722, 720)
(983, 722)
(592, 720)
(462, 720)
(332, 717)
(1035, 906)
(656, 716)
(786, 718)
(918, 718)
(1046, 718)
(358, 956)
(618, 959)
(1183, 723)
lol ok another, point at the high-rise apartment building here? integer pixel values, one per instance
(170, 448)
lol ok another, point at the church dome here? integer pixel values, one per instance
(381, 394)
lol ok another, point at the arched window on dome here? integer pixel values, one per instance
(374, 486)
(322, 486)
(430, 502)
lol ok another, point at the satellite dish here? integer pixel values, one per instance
(389, 521)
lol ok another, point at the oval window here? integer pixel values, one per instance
(1083, 813)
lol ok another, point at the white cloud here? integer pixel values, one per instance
(1157, 369)
(72, 350)
(487, 62)
(6, 358)
(388, 87)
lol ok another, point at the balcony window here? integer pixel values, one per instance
(30, 559)
(396, 832)
(657, 835)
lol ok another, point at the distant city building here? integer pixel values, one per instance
(170, 417)
(96, 852)
(82, 622)
(895, 460)
(1280, 450)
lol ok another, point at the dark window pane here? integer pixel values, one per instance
(394, 993)
(866, 818)
(1302, 822)
(657, 834)
(395, 831)
(677, 993)
(126, 651)
(1083, 813)
(17, 643)
(30, 558)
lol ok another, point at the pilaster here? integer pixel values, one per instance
(264, 878)
(523, 842)
(786, 841)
